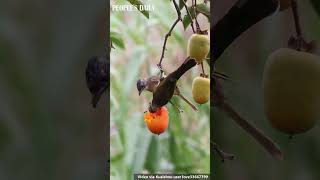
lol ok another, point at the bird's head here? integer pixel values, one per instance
(152, 108)
(141, 85)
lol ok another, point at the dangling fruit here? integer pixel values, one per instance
(198, 47)
(201, 89)
(291, 85)
(157, 122)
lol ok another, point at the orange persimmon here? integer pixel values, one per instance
(157, 122)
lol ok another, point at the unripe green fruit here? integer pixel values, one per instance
(291, 85)
(201, 89)
(198, 47)
(284, 4)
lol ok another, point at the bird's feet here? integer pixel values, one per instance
(176, 107)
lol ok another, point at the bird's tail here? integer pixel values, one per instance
(187, 64)
(188, 102)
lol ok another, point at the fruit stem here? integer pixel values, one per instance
(195, 16)
(294, 7)
(202, 67)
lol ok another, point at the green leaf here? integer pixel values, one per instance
(117, 40)
(181, 4)
(201, 8)
(204, 9)
(316, 5)
(138, 3)
(186, 22)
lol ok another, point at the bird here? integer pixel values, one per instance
(165, 90)
(151, 83)
(97, 77)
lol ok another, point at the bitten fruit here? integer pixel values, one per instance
(198, 47)
(201, 89)
(291, 85)
(157, 122)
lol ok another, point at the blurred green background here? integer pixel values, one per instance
(244, 61)
(48, 129)
(184, 147)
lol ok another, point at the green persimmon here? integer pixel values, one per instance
(291, 89)
(198, 47)
(201, 89)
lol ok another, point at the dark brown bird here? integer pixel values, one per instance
(166, 88)
(151, 83)
(97, 77)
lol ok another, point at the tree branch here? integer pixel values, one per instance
(195, 16)
(243, 15)
(294, 7)
(169, 34)
(218, 101)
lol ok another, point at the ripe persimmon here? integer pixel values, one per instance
(157, 122)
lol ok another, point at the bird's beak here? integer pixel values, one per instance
(140, 90)
(141, 85)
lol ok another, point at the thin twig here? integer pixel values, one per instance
(294, 7)
(195, 16)
(256, 133)
(223, 155)
(299, 41)
(189, 14)
(202, 67)
(218, 75)
(169, 34)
